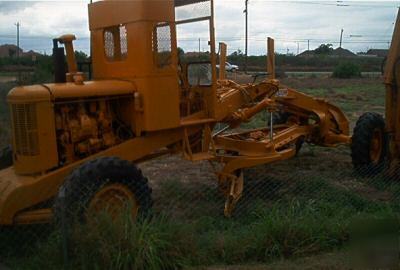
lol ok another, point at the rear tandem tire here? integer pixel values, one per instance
(369, 145)
(89, 184)
(6, 159)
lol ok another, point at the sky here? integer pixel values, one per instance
(294, 24)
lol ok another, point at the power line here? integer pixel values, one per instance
(341, 38)
(237, 39)
(37, 37)
(331, 3)
(246, 11)
(18, 61)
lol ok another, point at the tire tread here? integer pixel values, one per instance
(360, 147)
(83, 182)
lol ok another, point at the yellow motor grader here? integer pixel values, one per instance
(80, 141)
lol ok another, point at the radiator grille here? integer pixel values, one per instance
(25, 129)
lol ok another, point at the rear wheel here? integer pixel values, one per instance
(104, 185)
(368, 149)
(6, 159)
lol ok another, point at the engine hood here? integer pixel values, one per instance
(29, 94)
(48, 92)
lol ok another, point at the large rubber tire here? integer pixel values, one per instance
(81, 186)
(6, 159)
(366, 161)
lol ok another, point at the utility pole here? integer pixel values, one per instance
(246, 12)
(308, 41)
(19, 68)
(341, 38)
(298, 47)
(199, 46)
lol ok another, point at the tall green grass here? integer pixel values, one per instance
(288, 229)
(276, 219)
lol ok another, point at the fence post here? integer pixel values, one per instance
(271, 59)
(64, 229)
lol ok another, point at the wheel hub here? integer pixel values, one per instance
(376, 146)
(113, 200)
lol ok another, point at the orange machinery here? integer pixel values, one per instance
(76, 142)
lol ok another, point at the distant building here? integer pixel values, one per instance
(32, 54)
(339, 52)
(307, 54)
(9, 50)
(378, 52)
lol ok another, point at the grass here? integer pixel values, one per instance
(310, 217)
(354, 100)
(283, 231)
(358, 97)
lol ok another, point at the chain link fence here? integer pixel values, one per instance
(311, 204)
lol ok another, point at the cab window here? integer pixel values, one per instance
(162, 45)
(116, 43)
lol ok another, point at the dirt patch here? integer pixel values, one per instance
(174, 167)
(327, 83)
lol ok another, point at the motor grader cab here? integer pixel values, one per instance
(75, 142)
(376, 140)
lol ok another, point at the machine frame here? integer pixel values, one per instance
(164, 111)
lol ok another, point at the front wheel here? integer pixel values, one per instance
(369, 144)
(105, 185)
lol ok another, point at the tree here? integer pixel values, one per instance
(81, 57)
(180, 51)
(181, 54)
(324, 49)
(237, 53)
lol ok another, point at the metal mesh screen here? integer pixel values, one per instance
(109, 44)
(192, 10)
(162, 44)
(124, 41)
(116, 43)
(193, 29)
